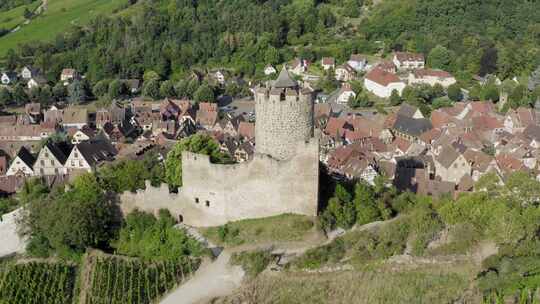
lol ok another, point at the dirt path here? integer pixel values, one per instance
(10, 240)
(212, 280)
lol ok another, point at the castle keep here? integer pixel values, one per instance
(283, 176)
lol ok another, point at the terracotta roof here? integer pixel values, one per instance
(526, 116)
(482, 107)
(478, 160)
(8, 120)
(334, 127)
(322, 109)
(208, 106)
(246, 129)
(26, 130)
(382, 77)
(509, 163)
(402, 144)
(10, 184)
(207, 118)
(440, 119)
(486, 123)
(328, 61)
(430, 135)
(421, 73)
(532, 132)
(387, 65)
(75, 116)
(407, 56)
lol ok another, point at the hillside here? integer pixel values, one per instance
(58, 16)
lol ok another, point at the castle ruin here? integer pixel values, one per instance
(283, 176)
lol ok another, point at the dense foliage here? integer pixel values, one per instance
(119, 280)
(35, 282)
(253, 262)
(508, 216)
(145, 236)
(467, 37)
(69, 221)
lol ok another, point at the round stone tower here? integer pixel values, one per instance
(284, 117)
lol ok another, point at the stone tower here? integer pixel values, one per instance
(284, 117)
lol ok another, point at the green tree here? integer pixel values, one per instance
(5, 96)
(204, 94)
(70, 221)
(167, 89)
(151, 89)
(395, 99)
(490, 92)
(117, 88)
(271, 55)
(33, 94)
(454, 92)
(27, 13)
(59, 91)
(76, 92)
(365, 203)
(198, 143)
(151, 75)
(439, 58)
(19, 95)
(45, 95)
(101, 88)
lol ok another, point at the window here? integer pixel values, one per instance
(80, 163)
(52, 162)
(42, 162)
(41, 171)
(197, 200)
(46, 154)
(207, 203)
(73, 163)
(76, 155)
(55, 170)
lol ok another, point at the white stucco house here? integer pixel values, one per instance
(344, 94)
(382, 83)
(22, 164)
(408, 61)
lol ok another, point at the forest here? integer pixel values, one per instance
(172, 37)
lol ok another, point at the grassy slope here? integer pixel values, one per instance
(10, 19)
(59, 16)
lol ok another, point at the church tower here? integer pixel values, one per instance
(284, 117)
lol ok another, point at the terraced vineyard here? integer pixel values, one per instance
(40, 283)
(121, 280)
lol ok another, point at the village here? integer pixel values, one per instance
(444, 153)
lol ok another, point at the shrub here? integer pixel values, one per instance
(253, 263)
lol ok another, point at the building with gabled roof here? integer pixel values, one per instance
(50, 160)
(22, 164)
(382, 83)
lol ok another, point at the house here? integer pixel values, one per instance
(409, 123)
(345, 94)
(133, 85)
(387, 66)
(28, 73)
(298, 66)
(246, 130)
(345, 73)
(68, 75)
(269, 70)
(431, 77)
(450, 165)
(8, 78)
(517, 120)
(26, 132)
(358, 62)
(80, 135)
(53, 115)
(36, 82)
(408, 61)
(22, 164)
(88, 155)
(33, 111)
(74, 117)
(3, 164)
(244, 152)
(219, 76)
(50, 160)
(207, 115)
(328, 63)
(382, 83)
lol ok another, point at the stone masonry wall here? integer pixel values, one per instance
(282, 121)
(214, 194)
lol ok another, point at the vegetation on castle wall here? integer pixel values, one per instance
(198, 143)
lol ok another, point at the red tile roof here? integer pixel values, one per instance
(382, 77)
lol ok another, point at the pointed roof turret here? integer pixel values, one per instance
(285, 80)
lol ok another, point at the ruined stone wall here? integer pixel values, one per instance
(214, 194)
(283, 120)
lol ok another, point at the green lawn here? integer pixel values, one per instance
(281, 228)
(59, 16)
(10, 19)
